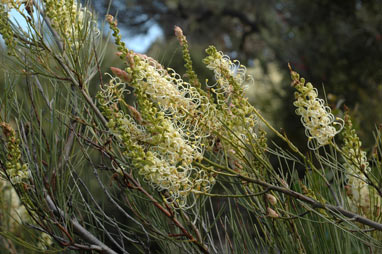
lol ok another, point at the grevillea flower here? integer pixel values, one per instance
(158, 138)
(361, 196)
(234, 117)
(69, 18)
(229, 75)
(316, 117)
(174, 122)
(180, 102)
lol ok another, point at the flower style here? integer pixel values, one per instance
(180, 101)
(317, 119)
(229, 75)
(234, 117)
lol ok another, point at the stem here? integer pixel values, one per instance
(79, 229)
(291, 145)
(313, 202)
(138, 187)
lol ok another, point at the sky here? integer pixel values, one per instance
(141, 43)
(138, 43)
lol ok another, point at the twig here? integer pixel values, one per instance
(315, 203)
(79, 229)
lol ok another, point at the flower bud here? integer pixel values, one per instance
(272, 213)
(178, 31)
(136, 115)
(121, 74)
(271, 199)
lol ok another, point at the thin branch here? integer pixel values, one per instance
(79, 229)
(315, 203)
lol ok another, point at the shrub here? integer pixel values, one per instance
(179, 165)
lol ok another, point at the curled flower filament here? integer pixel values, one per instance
(316, 117)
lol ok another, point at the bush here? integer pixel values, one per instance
(153, 161)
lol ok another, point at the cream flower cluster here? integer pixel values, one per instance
(361, 195)
(180, 121)
(236, 119)
(229, 75)
(178, 102)
(157, 137)
(69, 18)
(176, 98)
(112, 94)
(114, 91)
(172, 94)
(316, 117)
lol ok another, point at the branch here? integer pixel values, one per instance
(315, 203)
(202, 247)
(306, 199)
(80, 230)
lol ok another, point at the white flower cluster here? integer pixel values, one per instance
(113, 93)
(361, 195)
(179, 102)
(180, 121)
(224, 70)
(163, 175)
(317, 119)
(168, 90)
(162, 138)
(237, 113)
(70, 18)
(175, 97)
